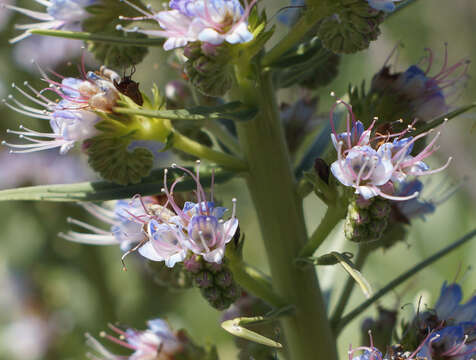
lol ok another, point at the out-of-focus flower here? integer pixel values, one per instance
(41, 169)
(383, 5)
(157, 342)
(4, 15)
(421, 95)
(210, 21)
(290, 14)
(59, 14)
(72, 119)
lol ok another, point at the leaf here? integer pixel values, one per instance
(235, 111)
(78, 35)
(103, 190)
(400, 279)
(352, 271)
(235, 327)
(441, 119)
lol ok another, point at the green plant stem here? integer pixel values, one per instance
(272, 187)
(313, 14)
(192, 147)
(118, 40)
(331, 218)
(224, 136)
(346, 292)
(400, 279)
(254, 281)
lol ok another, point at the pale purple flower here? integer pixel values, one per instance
(363, 169)
(157, 342)
(59, 14)
(209, 21)
(198, 227)
(72, 119)
(383, 5)
(375, 172)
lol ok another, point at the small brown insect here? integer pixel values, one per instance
(130, 88)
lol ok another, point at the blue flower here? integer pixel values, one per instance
(383, 5)
(449, 305)
(289, 15)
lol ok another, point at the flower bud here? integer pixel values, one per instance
(214, 280)
(118, 56)
(351, 28)
(207, 68)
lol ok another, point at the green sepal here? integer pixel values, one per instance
(105, 14)
(324, 260)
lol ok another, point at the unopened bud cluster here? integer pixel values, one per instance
(215, 281)
(354, 25)
(366, 219)
(207, 69)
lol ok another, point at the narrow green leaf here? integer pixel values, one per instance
(235, 327)
(77, 35)
(232, 111)
(103, 190)
(352, 271)
(441, 119)
(400, 279)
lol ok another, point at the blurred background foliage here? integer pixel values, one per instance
(53, 291)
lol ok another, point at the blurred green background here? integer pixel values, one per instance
(53, 291)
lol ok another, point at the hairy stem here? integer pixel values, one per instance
(331, 218)
(272, 187)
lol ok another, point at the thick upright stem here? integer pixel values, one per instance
(273, 190)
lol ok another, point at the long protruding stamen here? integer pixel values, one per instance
(396, 198)
(86, 226)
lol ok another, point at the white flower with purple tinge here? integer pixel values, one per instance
(59, 14)
(363, 169)
(383, 5)
(157, 342)
(210, 21)
(72, 119)
(198, 228)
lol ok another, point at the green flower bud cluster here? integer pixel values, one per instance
(103, 19)
(118, 56)
(354, 25)
(208, 69)
(215, 281)
(366, 219)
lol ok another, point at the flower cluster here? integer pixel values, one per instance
(374, 165)
(73, 118)
(446, 332)
(164, 232)
(209, 21)
(59, 14)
